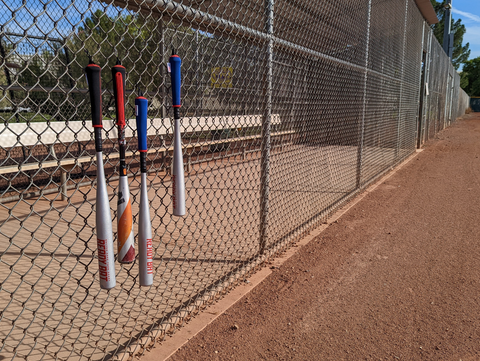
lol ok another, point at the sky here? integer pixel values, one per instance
(469, 12)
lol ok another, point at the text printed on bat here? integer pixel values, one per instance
(149, 256)
(103, 259)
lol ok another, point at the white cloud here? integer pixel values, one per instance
(472, 36)
(469, 16)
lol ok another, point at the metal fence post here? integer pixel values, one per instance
(163, 88)
(397, 145)
(364, 111)
(445, 105)
(448, 99)
(422, 89)
(267, 114)
(426, 101)
(294, 95)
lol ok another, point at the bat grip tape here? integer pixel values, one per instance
(143, 162)
(98, 138)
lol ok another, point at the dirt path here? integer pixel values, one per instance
(396, 278)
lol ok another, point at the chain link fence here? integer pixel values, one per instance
(290, 108)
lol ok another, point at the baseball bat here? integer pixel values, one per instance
(103, 219)
(178, 177)
(125, 236)
(145, 249)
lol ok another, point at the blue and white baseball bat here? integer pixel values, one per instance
(145, 247)
(178, 176)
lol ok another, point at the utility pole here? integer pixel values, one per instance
(447, 31)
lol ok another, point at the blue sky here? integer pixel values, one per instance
(37, 17)
(469, 12)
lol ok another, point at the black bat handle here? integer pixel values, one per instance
(93, 73)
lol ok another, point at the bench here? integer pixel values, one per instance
(19, 134)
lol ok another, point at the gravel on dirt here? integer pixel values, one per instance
(396, 278)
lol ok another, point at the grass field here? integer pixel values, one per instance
(23, 117)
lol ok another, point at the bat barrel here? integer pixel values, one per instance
(125, 235)
(145, 245)
(103, 220)
(178, 177)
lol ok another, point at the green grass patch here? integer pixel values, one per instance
(23, 117)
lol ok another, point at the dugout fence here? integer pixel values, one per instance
(290, 108)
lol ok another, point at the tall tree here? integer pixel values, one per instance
(471, 70)
(461, 52)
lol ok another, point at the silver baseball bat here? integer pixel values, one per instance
(103, 217)
(145, 247)
(178, 176)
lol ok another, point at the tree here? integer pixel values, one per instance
(137, 41)
(464, 81)
(142, 43)
(43, 70)
(471, 69)
(133, 38)
(461, 52)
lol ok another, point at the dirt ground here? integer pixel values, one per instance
(396, 278)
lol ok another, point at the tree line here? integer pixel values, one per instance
(137, 41)
(470, 74)
(53, 75)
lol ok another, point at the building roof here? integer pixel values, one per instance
(426, 8)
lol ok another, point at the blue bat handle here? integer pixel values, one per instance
(141, 107)
(175, 65)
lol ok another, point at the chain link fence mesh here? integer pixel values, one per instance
(289, 109)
